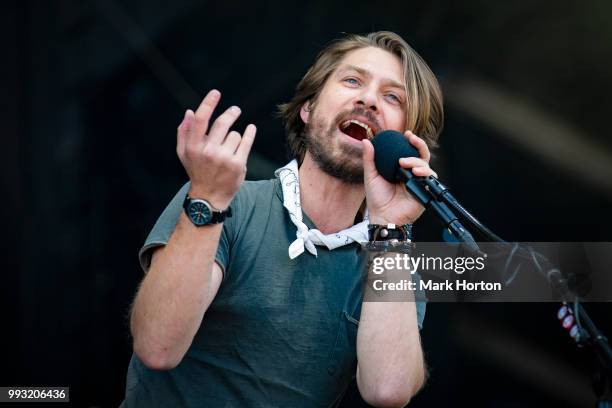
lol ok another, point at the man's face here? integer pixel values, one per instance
(362, 97)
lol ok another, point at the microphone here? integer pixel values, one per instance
(389, 147)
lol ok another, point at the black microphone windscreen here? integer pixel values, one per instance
(389, 147)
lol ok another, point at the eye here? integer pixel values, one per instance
(352, 81)
(394, 98)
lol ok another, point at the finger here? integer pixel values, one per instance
(246, 142)
(181, 136)
(232, 141)
(369, 167)
(189, 126)
(205, 111)
(222, 125)
(411, 162)
(419, 144)
(424, 172)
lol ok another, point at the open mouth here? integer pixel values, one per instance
(356, 129)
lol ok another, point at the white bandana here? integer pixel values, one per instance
(308, 238)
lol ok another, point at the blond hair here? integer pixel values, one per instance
(424, 113)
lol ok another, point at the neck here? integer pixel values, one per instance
(329, 202)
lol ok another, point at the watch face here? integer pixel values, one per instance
(199, 212)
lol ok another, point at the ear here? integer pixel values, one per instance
(305, 112)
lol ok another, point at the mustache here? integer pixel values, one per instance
(342, 116)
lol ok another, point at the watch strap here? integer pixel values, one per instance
(220, 216)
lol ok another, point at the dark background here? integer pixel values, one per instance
(94, 90)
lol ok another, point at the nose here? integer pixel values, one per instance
(367, 99)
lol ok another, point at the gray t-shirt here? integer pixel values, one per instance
(280, 332)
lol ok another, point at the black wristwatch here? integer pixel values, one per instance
(201, 212)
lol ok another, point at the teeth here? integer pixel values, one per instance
(363, 125)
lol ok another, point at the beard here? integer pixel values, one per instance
(342, 161)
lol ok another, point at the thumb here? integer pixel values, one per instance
(369, 168)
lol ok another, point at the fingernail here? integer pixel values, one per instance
(235, 109)
(214, 93)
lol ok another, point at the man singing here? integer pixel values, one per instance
(253, 290)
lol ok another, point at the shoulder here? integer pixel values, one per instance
(252, 192)
(251, 199)
(258, 187)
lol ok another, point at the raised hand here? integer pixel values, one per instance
(215, 159)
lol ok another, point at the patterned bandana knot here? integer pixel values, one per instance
(308, 238)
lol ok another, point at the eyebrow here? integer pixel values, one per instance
(368, 74)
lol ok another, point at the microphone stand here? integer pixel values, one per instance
(445, 214)
(586, 332)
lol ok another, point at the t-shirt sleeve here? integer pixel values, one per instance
(420, 309)
(165, 226)
(420, 300)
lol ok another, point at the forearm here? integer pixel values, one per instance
(391, 368)
(174, 295)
